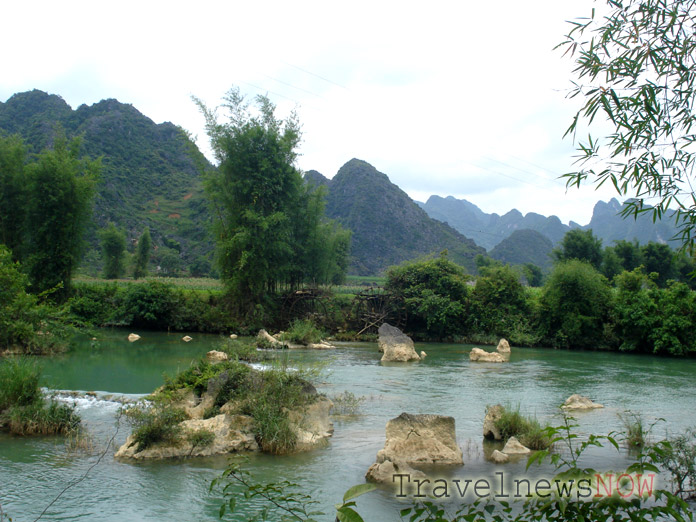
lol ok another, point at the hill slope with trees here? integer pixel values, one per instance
(151, 174)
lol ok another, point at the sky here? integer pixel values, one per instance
(457, 98)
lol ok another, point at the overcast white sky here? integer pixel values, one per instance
(445, 97)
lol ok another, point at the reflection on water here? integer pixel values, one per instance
(33, 471)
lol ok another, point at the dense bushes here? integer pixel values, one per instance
(151, 305)
(576, 308)
(23, 409)
(26, 324)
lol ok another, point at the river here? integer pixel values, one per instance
(35, 471)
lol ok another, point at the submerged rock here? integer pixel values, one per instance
(415, 440)
(514, 447)
(499, 457)
(493, 414)
(133, 337)
(579, 402)
(397, 346)
(479, 355)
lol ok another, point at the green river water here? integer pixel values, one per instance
(34, 471)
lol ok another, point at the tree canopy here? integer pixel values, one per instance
(635, 66)
(269, 227)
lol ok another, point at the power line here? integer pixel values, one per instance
(316, 75)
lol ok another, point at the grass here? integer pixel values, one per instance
(158, 423)
(23, 409)
(635, 432)
(527, 430)
(303, 331)
(347, 404)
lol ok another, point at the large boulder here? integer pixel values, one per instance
(415, 440)
(231, 434)
(312, 424)
(503, 346)
(479, 355)
(397, 346)
(493, 414)
(215, 356)
(579, 402)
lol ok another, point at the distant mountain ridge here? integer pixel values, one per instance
(388, 226)
(489, 230)
(151, 173)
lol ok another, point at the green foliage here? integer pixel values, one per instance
(23, 410)
(675, 334)
(19, 382)
(59, 205)
(13, 197)
(201, 438)
(347, 403)
(25, 324)
(635, 312)
(638, 59)
(581, 245)
(636, 433)
(679, 458)
(41, 418)
(142, 255)
(113, 243)
(268, 223)
(498, 301)
(303, 331)
(434, 293)
(574, 305)
(150, 305)
(534, 275)
(527, 430)
(155, 424)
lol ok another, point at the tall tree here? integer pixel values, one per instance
(581, 245)
(60, 191)
(265, 216)
(635, 66)
(113, 243)
(142, 255)
(12, 193)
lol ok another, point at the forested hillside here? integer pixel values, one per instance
(151, 173)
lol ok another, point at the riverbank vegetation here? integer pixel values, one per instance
(23, 408)
(527, 430)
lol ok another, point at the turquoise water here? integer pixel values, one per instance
(34, 471)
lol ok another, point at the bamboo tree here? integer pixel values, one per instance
(142, 255)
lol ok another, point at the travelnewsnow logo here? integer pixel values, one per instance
(503, 487)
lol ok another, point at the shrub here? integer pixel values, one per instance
(574, 306)
(39, 418)
(19, 382)
(303, 331)
(346, 403)
(526, 429)
(200, 438)
(434, 293)
(156, 423)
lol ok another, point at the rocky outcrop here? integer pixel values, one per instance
(413, 441)
(133, 337)
(312, 425)
(323, 345)
(215, 356)
(479, 355)
(493, 414)
(503, 346)
(231, 434)
(264, 336)
(513, 447)
(579, 402)
(396, 346)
